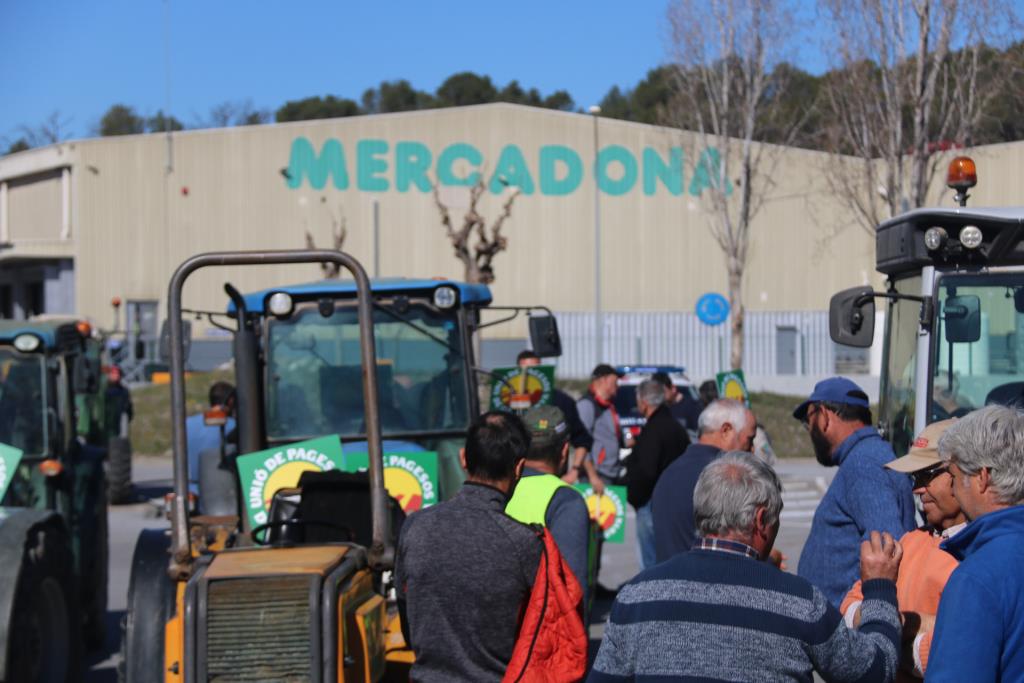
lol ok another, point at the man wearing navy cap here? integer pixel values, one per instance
(864, 496)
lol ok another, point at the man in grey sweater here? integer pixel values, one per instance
(721, 613)
(464, 568)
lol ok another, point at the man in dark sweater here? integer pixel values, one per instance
(725, 425)
(662, 440)
(721, 613)
(464, 568)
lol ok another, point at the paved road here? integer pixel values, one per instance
(152, 480)
(804, 482)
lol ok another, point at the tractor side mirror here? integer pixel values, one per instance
(851, 317)
(165, 340)
(544, 336)
(962, 315)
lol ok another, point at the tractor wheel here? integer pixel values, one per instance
(45, 630)
(119, 471)
(150, 605)
(96, 609)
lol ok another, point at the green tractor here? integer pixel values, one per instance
(53, 501)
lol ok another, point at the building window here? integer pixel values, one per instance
(6, 302)
(35, 299)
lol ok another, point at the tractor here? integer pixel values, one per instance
(53, 519)
(383, 365)
(954, 324)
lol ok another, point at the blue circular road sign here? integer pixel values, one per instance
(712, 309)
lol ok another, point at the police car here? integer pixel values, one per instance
(630, 376)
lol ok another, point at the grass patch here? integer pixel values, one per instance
(151, 428)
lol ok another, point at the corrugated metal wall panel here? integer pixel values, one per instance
(672, 338)
(34, 207)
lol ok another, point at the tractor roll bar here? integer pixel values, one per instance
(380, 554)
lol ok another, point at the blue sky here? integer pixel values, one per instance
(78, 58)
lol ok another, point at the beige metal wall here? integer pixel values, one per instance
(134, 220)
(34, 208)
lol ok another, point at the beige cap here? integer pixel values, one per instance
(924, 452)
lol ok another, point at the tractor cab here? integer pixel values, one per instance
(954, 302)
(49, 370)
(298, 370)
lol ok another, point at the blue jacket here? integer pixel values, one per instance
(672, 503)
(979, 633)
(865, 496)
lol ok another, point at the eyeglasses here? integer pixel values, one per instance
(812, 410)
(925, 477)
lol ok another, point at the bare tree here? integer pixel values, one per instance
(234, 113)
(726, 88)
(913, 79)
(339, 232)
(53, 129)
(477, 258)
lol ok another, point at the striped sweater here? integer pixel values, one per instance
(714, 615)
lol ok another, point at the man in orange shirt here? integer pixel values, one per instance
(925, 567)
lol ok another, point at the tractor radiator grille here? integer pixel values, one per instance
(259, 630)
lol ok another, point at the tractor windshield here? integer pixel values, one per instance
(314, 384)
(978, 343)
(23, 401)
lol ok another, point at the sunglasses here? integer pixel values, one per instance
(925, 477)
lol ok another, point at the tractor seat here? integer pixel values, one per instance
(333, 507)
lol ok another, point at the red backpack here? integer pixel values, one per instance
(552, 642)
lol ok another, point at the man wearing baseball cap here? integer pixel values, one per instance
(541, 497)
(925, 567)
(598, 414)
(864, 496)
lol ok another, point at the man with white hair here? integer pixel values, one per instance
(661, 441)
(720, 612)
(725, 425)
(979, 631)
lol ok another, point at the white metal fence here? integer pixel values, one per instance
(777, 342)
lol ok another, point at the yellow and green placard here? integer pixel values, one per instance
(410, 477)
(521, 388)
(264, 473)
(731, 384)
(609, 510)
(9, 459)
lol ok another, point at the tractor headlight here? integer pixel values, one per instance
(970, 236)
(280, 304)
(934, 238)
(445, 297)
(27, 343)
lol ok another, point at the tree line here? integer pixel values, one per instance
(460, 89)
(802, 97)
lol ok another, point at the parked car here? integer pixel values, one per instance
(630, 419)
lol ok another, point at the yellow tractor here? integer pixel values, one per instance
(300, 598)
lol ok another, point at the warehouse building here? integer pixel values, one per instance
(84, 221)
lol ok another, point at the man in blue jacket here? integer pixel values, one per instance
(979, 632)
(864, 496)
